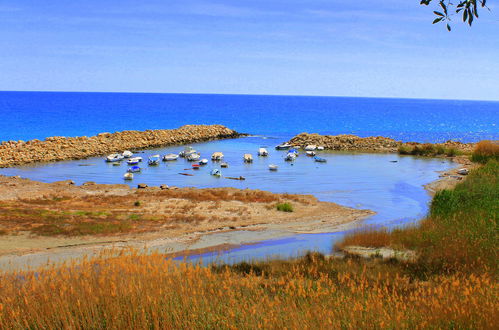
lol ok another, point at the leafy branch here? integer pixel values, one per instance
(467, 8)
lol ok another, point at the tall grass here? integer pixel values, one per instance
(484, 151)
(460, 232)
(428, 149)
(150, 292)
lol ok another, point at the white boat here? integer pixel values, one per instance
(154, 160)
(114, 158)
(128, 176)
(216, 156)
(127, 154)
(216, 172)
(290, 157)
(224, 165)
(310, 153)
(310, 147)
(203, 161)
(263, 152)
(273, 167)
(283, 146)
(187, 151)
(134, 169)
(193, 157)
(170, 157)
(320, 148)
(248, 158)
(134, 160)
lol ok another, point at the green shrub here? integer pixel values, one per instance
(284, 207)
(137, 203)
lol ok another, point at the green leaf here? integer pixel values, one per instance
(465, 16)
(437, 20)
(438, 13)
(448, 27)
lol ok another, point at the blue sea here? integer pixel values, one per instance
(391, 185)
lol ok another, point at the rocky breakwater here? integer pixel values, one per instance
(59, 148)
(346, 142)
(379, 144)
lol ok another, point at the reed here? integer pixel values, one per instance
(428, 149)
(484, 151)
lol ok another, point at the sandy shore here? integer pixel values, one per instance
(169, 221)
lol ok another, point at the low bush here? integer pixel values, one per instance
(284, 207)
(484, 151)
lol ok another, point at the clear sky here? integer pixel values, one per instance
(385, 48)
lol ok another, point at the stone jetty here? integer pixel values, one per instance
(371, 144)
(57, 148)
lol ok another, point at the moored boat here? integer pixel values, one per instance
(134, 169)
(203, 161)
(248, 158)
(319, 159)
(195, 166)
(290, 156)
(263, 152)
(134, 161)
(192, 157)
(320, 148)
(114, 158)
(310, 153)
(224, 165)
(127, 154)
(128, 176)
(154, 160)
(273, 167)
(187, 151)
(310, 147)
(170, 157)
(283, 146)
(217, 156)
(216, 172)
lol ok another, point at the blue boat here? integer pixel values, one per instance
(134, 169)
(154, 160)
(320, 160)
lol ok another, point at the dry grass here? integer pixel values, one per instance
(484, 151)
(150, 292)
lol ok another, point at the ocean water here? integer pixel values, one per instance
(28, 115)
(391, 185)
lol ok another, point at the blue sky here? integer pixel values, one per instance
(369, 48)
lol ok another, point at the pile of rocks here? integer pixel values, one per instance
(58, 148)
(346, 142)
(373, 143)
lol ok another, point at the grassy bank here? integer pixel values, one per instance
(460, 232)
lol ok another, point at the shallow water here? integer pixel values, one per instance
(360, 180)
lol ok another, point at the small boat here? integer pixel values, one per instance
(187, 151)
(127, 154)
(283, 146)
(224, 165)
(133, 161)
(273, 167)
(310, 153)
(263, 152)
(320, 148)
(154, 160)
(192, 157)
(320, 160)
(195, 166)
(128, 176)
(114, 158)
(293, 151)
(248, 158)
(216, 172)
(290, 157)
(311, 147)
(236, 178)
(217, 156)
(203, 161)
(186, 174)
(134, 169)
(116, 163)
(170, 157)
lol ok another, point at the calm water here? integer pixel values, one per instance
(392, 189)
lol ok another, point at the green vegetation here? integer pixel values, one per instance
(284, 207)
(467, 9)
(427, 149)
(460, 232)
(137, 203)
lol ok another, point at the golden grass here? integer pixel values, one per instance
(151, 292)
(484, 151)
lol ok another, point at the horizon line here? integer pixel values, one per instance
(249, 94)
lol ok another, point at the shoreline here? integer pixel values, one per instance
(232, 217)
